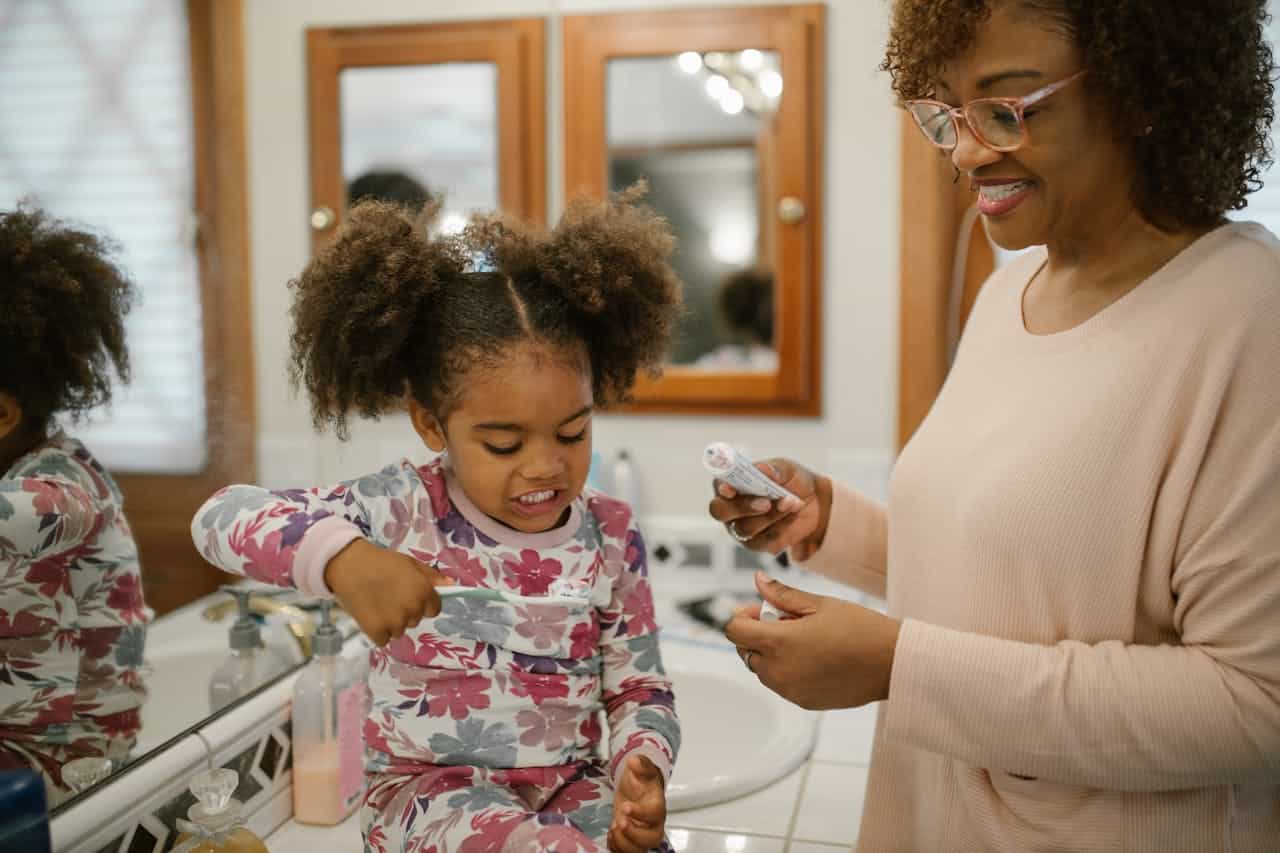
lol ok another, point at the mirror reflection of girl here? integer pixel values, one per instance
(484, 732)
(72, 617)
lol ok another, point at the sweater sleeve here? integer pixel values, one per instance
(636, 690)
(44, 516)
(1205, 711)
(287, 537)
(855, 549)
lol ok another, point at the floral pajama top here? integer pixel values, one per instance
(72, 618)
(508, 684)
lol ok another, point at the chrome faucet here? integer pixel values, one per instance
(300, 625)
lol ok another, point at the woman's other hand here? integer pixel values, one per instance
(762, 524)
(386, 592)
(830, 654)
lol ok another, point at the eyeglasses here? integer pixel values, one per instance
(998, 123)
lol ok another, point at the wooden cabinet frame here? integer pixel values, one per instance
(797, 33)
(516, 47)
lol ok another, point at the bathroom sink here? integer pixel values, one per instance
(737, 736)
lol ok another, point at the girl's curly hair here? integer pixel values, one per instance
(62, 326)
(1198, 74)
(386, 310)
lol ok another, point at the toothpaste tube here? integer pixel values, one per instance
(733, 468)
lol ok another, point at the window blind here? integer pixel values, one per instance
(96, 128)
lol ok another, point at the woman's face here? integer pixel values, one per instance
(1070, 179)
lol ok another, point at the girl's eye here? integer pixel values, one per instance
(573, 439)
(501, 451)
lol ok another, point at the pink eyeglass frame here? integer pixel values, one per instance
(1018, 105)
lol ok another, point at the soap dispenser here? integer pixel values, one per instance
(216, 824)
(249, 665)
(330, 703)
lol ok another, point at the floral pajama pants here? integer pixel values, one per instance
(466, 809)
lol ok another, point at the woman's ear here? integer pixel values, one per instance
(10, 415)
(427, 426)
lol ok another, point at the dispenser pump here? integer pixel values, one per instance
(328, 639)
(245, 633)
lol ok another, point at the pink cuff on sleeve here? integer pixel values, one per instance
(319, 544)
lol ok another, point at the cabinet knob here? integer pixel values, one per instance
(791, 210)
(322, 218)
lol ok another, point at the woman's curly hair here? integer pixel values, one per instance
(62, 325)
(386, 310)
(1198, 74)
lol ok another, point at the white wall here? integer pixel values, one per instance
(853, 439)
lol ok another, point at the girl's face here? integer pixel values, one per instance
(1071, 178)
(519, 435)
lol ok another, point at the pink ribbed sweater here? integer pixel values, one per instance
(1083, 539)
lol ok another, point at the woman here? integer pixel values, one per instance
(1081, 550)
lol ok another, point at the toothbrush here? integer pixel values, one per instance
(732, 467)
(561, 592)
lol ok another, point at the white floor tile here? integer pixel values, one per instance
(703, 841)
(846, 735)
(831, 806)
(766, 812)
(811, 847)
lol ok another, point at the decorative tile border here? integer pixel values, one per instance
(263, 768)
(700, 549)
(138, 813)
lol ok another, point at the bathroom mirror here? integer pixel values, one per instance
(128, 121)
(720, 111)
(455, 110)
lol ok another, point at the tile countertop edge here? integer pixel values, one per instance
(93, 820)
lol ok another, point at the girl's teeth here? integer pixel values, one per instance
(537, 497)
(1002, 191)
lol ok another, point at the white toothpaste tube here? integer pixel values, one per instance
(732, 467)
(769, 613)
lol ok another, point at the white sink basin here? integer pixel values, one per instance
(737, 736)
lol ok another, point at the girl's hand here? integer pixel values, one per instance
(774, 526)
(832, 654)
(639, 808)
(386, 592)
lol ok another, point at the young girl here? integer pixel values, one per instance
(72, 618)
(501, 341)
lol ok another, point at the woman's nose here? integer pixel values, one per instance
(969, 154)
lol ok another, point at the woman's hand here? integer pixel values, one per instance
(639, 808)
(832, 654)
(764, 525)
(386, 592)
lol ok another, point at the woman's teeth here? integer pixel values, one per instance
(999, 192)
(536, 497)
